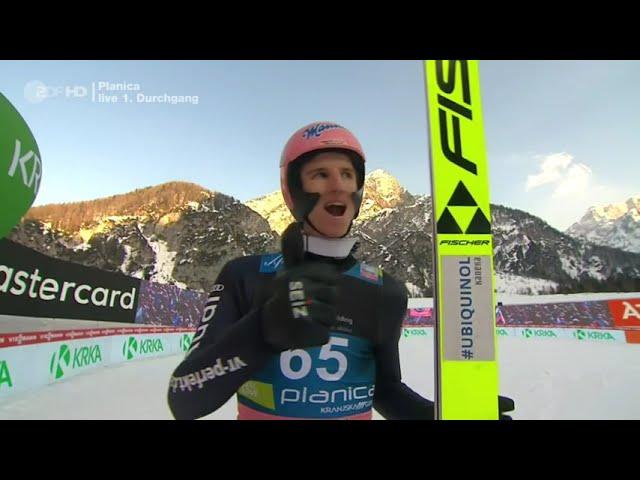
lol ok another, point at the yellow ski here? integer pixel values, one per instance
(466, 362)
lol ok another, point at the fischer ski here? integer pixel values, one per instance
(466, 362)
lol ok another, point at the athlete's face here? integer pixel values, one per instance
(331, 174)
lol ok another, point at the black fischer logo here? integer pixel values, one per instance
(448, 108)
(464, 243)
(462, 198)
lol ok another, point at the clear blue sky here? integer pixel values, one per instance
(561, 135)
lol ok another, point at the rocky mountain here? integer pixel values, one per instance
(84, 217)
(527, 246)
(616, 225)
(187, 240)
(529, 255)
(185, 244)
(399, 240)
(272, 208)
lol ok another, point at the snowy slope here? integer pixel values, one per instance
(549, 379)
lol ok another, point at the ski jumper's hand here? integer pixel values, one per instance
(302, 306)
(505, 404)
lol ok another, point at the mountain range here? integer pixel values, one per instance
(182, 233)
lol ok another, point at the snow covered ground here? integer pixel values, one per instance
(549, 379)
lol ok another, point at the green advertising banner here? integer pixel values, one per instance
(20, 167)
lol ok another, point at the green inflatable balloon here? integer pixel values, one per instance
(20, 167)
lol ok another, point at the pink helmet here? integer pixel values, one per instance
(300, 147)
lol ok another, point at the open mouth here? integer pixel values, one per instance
(336, 209)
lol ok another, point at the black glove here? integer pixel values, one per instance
(505, 404)
(301, 307)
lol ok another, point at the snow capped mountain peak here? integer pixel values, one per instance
(613, 211)
(615, 225)
(381, 174)
(384, 186)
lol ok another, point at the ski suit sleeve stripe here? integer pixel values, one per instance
(393, 399)
(227, 348)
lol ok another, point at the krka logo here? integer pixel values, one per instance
(132, 348)
(185, 342)
(528, 333)
(415, 332)
(60, 359)
(582, 335)
(5, 376)
(64, 359)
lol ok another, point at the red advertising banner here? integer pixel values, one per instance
(633, 336)
(30, 338)
(418, 317)
(625, 312)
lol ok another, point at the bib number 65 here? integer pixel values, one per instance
(326, 353)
